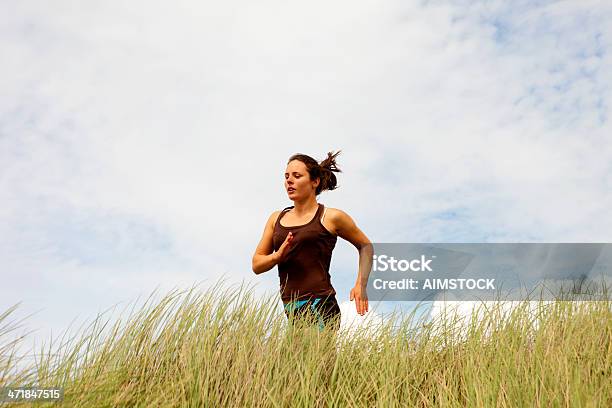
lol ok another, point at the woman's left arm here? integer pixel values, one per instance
(347, 229)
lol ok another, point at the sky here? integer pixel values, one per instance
(143, 144)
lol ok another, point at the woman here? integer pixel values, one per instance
(300, 240)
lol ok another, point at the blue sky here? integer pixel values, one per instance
(143, 145)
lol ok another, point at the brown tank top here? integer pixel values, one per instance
(305, 271)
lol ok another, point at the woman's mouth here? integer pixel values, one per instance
(290, 190)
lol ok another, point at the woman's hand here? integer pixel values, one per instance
(282, 252)
(358, 293)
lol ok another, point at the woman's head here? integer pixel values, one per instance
(304, 175)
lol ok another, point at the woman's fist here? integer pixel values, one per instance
(282, 252)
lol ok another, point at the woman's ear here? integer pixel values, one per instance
(316, 182)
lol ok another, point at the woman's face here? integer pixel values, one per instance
(297, 181)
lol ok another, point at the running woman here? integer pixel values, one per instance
(300, 240)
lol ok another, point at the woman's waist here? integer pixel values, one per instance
(289, 296)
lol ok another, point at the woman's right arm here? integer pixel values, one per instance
(265, 258)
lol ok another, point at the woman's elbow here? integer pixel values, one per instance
(256, 266)
(366, 246)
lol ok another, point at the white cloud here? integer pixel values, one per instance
(352, 322)
(357, 328)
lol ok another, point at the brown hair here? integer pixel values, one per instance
(323, 171)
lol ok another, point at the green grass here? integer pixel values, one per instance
(224, 347)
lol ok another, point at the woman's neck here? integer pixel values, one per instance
(305, 207)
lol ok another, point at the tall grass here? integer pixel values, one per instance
(224, 347)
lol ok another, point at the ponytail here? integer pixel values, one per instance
(328, 168)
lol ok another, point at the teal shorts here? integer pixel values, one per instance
(324, 311)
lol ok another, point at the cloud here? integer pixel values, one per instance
(351, 321)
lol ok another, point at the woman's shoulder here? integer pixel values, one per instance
(274, 216)
(335, 214)
(343, 225)
(335, 220)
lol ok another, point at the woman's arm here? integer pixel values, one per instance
(265, 258)
(346, 228)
